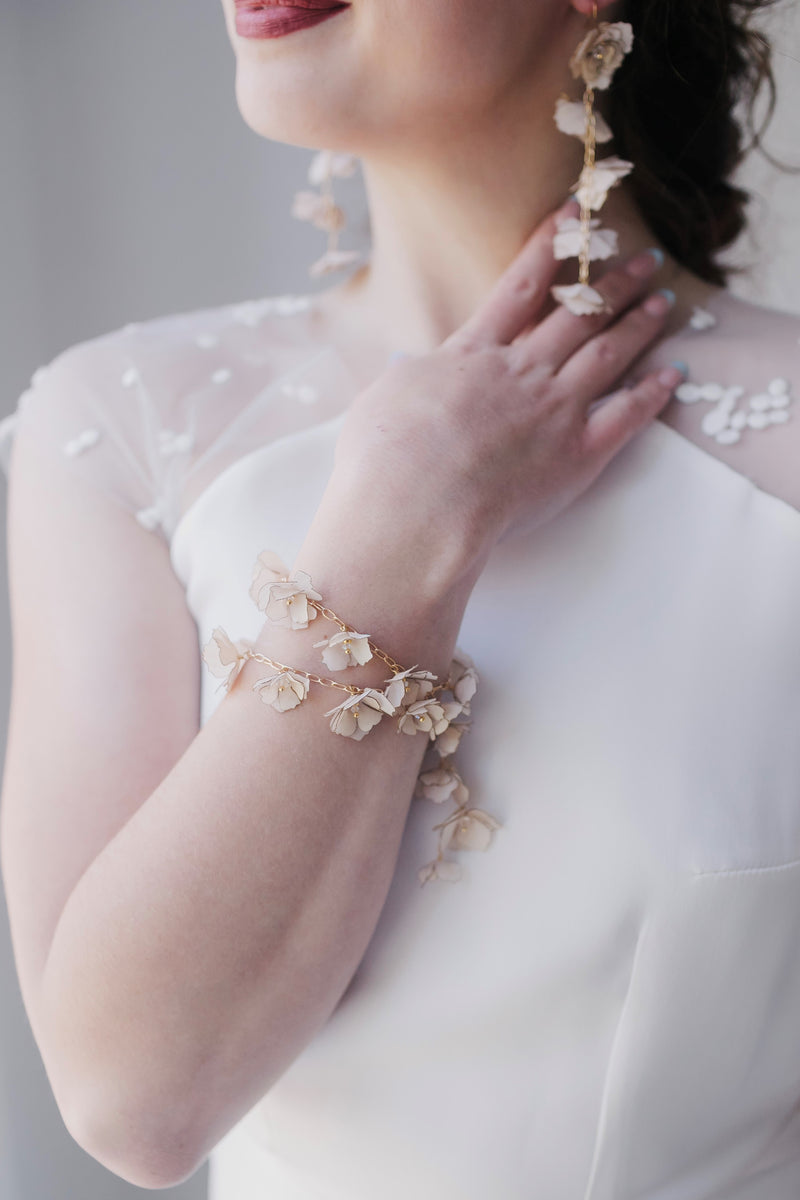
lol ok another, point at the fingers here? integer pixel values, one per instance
(520, 292)
(555, 339)
(600, 363)
(625, 413)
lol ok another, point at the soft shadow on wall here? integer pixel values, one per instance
(133, 188)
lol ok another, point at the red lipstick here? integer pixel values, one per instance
(274, 18)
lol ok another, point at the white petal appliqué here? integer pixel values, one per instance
(170, 443)
(81, 442)
(302, 392)
(206, 341)
(725, 422)
(223, 375)
(150, 518)
(701, 318)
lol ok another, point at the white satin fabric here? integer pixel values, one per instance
(607, 1006)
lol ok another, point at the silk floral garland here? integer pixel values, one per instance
(595, 61)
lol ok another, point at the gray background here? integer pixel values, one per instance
(130, 187)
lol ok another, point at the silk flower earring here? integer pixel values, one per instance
(322, 210)
(595, 61)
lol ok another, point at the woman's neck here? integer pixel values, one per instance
(450, 212)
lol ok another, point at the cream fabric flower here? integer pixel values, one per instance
(468, 829)
(333, 260)
(424, 716)
(328, 164)
(464, 680)
(580, 299)
(438, 784)
(283, 691)
(321, 210)
(223, 656)
(439, 868)
(359, 713)
(567, 243)
(406, 687)
(447, 742)
(596, 182)
(267, 569)
(570, 117)
(601, 52)
(286, 603)
(345, 649)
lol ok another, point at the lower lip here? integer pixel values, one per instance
(275, 21)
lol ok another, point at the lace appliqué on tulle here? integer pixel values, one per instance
(82, 441)
(726, 422)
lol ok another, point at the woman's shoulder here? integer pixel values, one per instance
(186, 341)
(133, 407)
(741, 400)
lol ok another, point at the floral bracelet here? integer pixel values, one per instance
(421, 704)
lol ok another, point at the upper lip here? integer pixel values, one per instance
(255, 5)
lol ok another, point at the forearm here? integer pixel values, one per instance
(214, 935)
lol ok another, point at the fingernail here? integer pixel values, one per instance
(659, 302)
(680, 365)
(396, 355)
(570, 208)
(645, 264)
(671, 376)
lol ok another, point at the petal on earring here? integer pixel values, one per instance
(328, 164)
(333, 260)
(321, 210)
(567, 243)
(580, 299)
(591, 190)
(570, 117)
(601, 52)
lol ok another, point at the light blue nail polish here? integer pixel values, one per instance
(667, 292)
(657, 254)
(680, 365)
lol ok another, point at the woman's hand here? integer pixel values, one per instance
(492, 429)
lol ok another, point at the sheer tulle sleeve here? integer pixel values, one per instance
(91, 409)
(149, 414)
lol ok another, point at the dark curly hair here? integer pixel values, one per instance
(673, 111)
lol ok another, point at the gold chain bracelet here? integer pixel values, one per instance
(421, 704)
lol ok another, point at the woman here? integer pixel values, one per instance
(238, 934)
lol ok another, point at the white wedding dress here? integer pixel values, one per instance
(607, 1005)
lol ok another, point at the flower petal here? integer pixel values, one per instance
(580, 299)
(567, 243)
(284, 690)
(570, 117)
(333, 260)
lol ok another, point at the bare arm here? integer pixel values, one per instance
(202, 899)
(217, 930)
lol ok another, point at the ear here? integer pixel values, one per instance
(585, 6)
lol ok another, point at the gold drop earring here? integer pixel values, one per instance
(595, 61)
(322, 210)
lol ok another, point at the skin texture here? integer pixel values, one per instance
(449, 103)
(263, 841)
